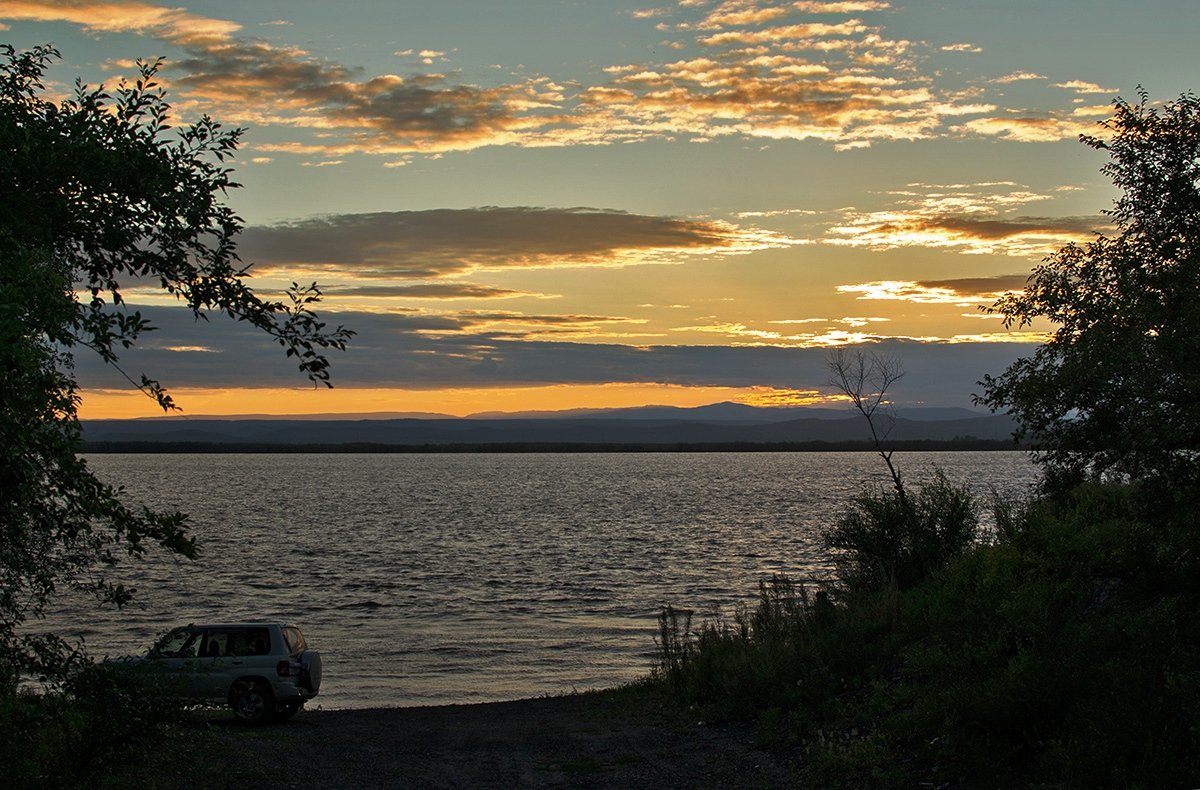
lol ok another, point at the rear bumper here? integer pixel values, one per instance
(290, 692)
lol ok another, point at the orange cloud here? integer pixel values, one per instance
(801, 32)
(116, 16)
(742, 13)
(839, 6)
(962, 292)
(1029, 129)
(779, 396)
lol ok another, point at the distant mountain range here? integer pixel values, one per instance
(715, 424)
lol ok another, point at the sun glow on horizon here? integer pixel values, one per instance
(348, 402)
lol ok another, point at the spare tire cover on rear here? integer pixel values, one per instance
(310, 670)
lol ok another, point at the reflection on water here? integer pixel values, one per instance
(427, 579)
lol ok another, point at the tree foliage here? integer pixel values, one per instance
(1112, 394)
(96, 192)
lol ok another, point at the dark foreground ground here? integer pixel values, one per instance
(578, 741)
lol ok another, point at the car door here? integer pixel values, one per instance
(228, 653)
(173, 661)
(213, 664)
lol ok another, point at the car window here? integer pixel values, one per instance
(213, 644)
(236, 642)
(294, 639)
(180, 643)
(251, 642)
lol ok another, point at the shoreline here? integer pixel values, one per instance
(102, 447)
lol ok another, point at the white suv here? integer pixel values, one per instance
(263, 671)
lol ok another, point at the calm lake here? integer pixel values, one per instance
(432, 579)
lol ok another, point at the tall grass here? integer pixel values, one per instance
(732, 666)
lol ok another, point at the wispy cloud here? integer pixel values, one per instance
(962, 292)
(839, 6)
(829, 335)
(189, 349)
(426, 56)
(965, 218)
(783, 396)
(441, 290)
(854, 321)
(1079, 86)
(986, 287)
(1029, 128)
(1018, 76)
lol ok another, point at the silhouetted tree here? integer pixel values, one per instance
(1113, 393)
(889, 538)
(95, 192)
(865, 378)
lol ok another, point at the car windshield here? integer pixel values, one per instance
(180, 643)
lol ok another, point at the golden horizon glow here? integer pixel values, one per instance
(112, 404)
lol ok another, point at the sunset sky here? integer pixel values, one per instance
(551, 205)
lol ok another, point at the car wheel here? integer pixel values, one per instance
(287, 710)
(252, 701)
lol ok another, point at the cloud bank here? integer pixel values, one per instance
(416, 352)
(440, 243)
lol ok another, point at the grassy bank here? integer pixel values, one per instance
(1063, 649)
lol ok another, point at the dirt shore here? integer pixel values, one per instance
(577, 741)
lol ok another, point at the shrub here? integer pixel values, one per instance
(1062, 653)
(100, 720)
(740, 666)
(887, 538)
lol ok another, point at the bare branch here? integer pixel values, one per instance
(865, 379)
